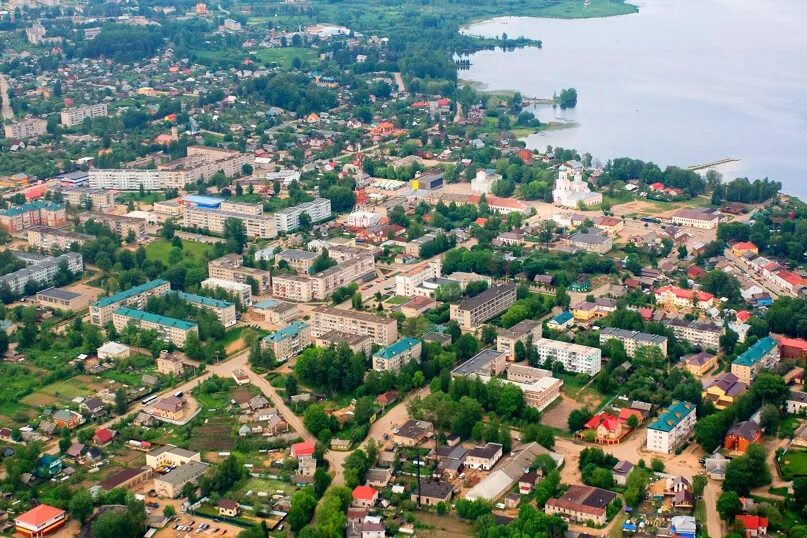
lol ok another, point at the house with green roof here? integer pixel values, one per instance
(289, 341)
(764, 354)
(171, 329)
(671, 428)
(393, 357)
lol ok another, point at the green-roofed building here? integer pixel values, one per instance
(764, 354)
(175, 330)
(224, 310)
(671, 428)
(102, 310)
(289, 341)
(393, 357)
(41, 213)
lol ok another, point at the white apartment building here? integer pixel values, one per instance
(242, 291)
(171, 329)
(231, 267)
(393, 358)
(292, 288)
(224, 310)
(256, 226)
(98, 198)
(101, 311)
(40, 269)
(75, 115)
(288, 219)
(407, 283)
(29, 128)
(633, 340)
(573, 357)
(46, 238)
(320, 285)
(671, 427)
(520, 332)
(383, 331)
(126, 179)
(698, 333)
(299, 260)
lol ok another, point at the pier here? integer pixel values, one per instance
(696, 167)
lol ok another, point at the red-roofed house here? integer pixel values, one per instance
(743, 315)
(364, 496)
(754, 525)
(34, 193)
(606, 427)
(304, 449)
(789, 281)
(679, 297)
(646, 312)
(625, 413)
(525, 155)
(696, 272)
(738, 249)
(40, 521)
(103, 436)
(793, 348)
(481, 221)
(658, 186)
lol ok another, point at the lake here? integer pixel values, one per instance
(682, 82)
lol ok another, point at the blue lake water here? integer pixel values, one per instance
(682, 82)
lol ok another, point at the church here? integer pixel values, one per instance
(570, 189)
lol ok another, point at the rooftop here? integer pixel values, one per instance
(289, 331)
(202, 300)
(401, 346)
(487, 296)
(156, 318)
(131, 292)
(756, 353)
(673, 416)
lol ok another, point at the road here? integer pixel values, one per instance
(775, 291)
(399, 81)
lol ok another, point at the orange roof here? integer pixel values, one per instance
(625, 413)
(792, 278)
(685, 294)
(364, 493)
(747, 245)
(793, 342)
(39, 515)
(752, 523)
(743, 315)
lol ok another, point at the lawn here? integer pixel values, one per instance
(160, 250)
(148, 198)
(266, 485)
(793, 464)
(284, 56)
(396, 300)
(573, 384)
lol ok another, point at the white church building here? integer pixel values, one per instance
(570, 189)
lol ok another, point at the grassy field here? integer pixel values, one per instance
(160, 249)
(794, 464)
(284, 56)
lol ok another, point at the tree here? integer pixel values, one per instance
(699, 482)
(80, 506)
(769, 418)
(321, 481)
(657, 465)
(770, 388)
(636, 486)
(236, 235)
(578, 418)
(121, 403)
(303, 503)
(488, 334)
(169, 511)
(748, 471)
(728, 505)
(291, 386)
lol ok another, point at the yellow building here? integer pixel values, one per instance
(700, 363)
(724, 389)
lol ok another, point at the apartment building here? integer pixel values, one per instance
(94, 198)
(393, 358)
(698, 333)
(764, 354)
(242, 208)
(701, 217)
(224, 310)
(362, 219)
(288, 219)
(358, 343)
(520, 332)
(46, 238)
(473, 312)
(671, 427)
(299, 260)
(101, 311)
(292, 288)
(540, 389)
(289, 341)
(22, 217)
(30, 128)
(201, 163)
(77, 114)
(242, 291)
(119, 224)
(256, 226)
(231, 267)
(383, 331)
(633, 340)
(62, 299)
(574, 357)
(407, 283)
(173, 330)
(40, 269)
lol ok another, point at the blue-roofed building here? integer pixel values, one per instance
(102, 310)
(561, 322)
(203, 202)
(763, 354)
(224, 310)
(671, 427)
(174, 330)
(393, 357)
(289, 341)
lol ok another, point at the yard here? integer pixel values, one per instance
(160, 250)
(793, 464)
(284, 56)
